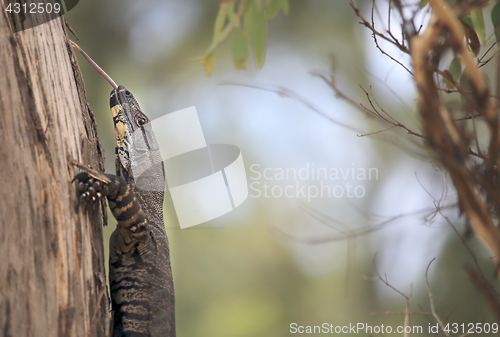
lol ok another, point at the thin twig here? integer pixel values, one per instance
(285, 92)
(374, 31)
(431, 300)
(389, 120)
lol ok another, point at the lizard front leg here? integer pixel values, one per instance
(129, 285)
(122, 202)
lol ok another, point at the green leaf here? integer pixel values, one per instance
(467, 21)
(478, 24)
(231, 14)
(248, 15)
(220, 20)
(455, 68)
(423, 3)
(495, 19)
(465, 84)
(258, 4)
(240, 49)
(285, 6)
(208, 64)
(272, 8)
(259, 32)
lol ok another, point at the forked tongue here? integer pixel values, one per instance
(113, 84)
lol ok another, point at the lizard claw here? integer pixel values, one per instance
(91, 185)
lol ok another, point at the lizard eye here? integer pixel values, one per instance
(141, 121)
(128, 93)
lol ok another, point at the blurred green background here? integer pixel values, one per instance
(276, 261)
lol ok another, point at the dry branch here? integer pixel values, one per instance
(484, 287)
(449, 144)
(431, 301)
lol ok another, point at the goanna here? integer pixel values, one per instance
(140, 274)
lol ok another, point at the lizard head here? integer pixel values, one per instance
(129, 122)
(136, 148)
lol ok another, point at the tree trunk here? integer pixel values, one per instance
(52, 279)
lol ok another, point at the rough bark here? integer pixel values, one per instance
(52, 279)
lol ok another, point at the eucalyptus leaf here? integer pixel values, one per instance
(248, 17)
(220, 20)
(465, 84)
(285, 6)
(495, 19)
(240, 49)
(455, 68)
(231, 14)
(478, 24)
(467, 20)
(273, 7)
(259, 32)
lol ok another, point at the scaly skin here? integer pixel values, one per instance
(140, 274)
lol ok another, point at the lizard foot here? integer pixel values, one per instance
(91, 185)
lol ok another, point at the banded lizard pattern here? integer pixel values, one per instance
(140, 274)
